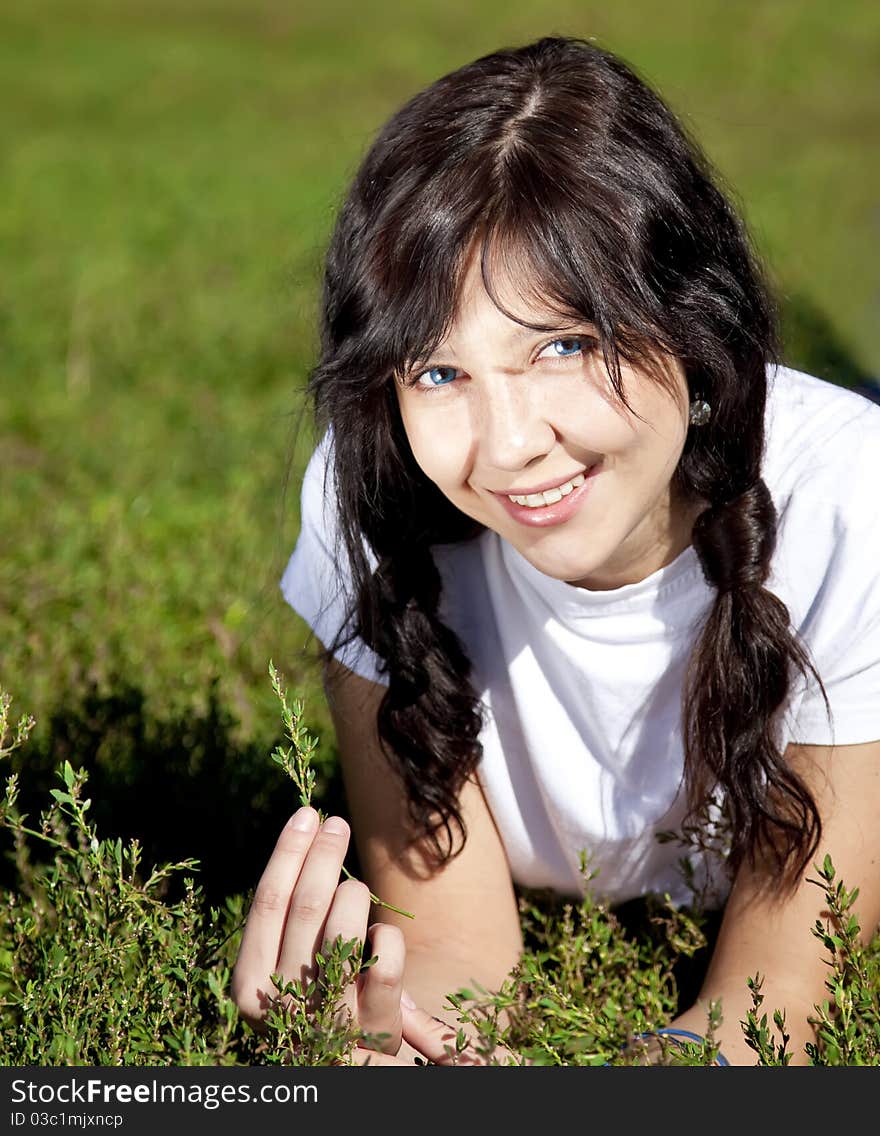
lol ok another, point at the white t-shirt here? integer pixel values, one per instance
(581, 690)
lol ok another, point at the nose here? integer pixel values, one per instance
(513, 428)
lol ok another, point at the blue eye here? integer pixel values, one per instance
(438, 376)
(563, 347)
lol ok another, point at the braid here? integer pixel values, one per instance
(735, 540)
(737, 680)
(429, 718)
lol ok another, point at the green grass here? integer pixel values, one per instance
(170, 174)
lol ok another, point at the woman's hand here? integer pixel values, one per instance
(300, 905)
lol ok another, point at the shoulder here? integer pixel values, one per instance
(317, 483)
(822, 467)
(822, 444)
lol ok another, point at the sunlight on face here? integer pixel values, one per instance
(522, 431)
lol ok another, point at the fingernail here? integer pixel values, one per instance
(405, 1000)
(303, 819)
(336, 825)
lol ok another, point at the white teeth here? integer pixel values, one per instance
(549, 496)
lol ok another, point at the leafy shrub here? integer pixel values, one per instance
(99, 967)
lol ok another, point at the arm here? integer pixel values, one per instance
(466, 926)
(772, 937)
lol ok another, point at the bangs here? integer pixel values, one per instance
(553, 237)
(414, 272)
(558, 248)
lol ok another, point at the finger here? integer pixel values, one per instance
(264, 929)
(436, 1039)
(368, 1057)
(347, 919)
(311, 899)
(381, 987)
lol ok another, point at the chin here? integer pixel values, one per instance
(570, 571)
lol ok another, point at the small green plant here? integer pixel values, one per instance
(847, 1024)
(296, 760)
(757, 1030)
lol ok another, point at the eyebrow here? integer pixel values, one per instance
(522, 332)
(515, 336)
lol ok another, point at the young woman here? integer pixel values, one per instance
(587, 564)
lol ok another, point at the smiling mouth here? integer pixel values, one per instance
(549, 496)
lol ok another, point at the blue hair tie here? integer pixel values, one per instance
(669, 1031)
(676, 1033)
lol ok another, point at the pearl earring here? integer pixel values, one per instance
(700, 412)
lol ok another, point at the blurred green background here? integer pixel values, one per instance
(168, 178)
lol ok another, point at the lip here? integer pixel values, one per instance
(555, 514)
(545, 485)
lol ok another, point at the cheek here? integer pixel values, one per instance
(439, 444)
(659, 436)
(591, 425)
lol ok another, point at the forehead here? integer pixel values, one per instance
(504, 290)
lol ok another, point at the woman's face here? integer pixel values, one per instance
(523, 432)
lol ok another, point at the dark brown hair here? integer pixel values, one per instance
(558, 155)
